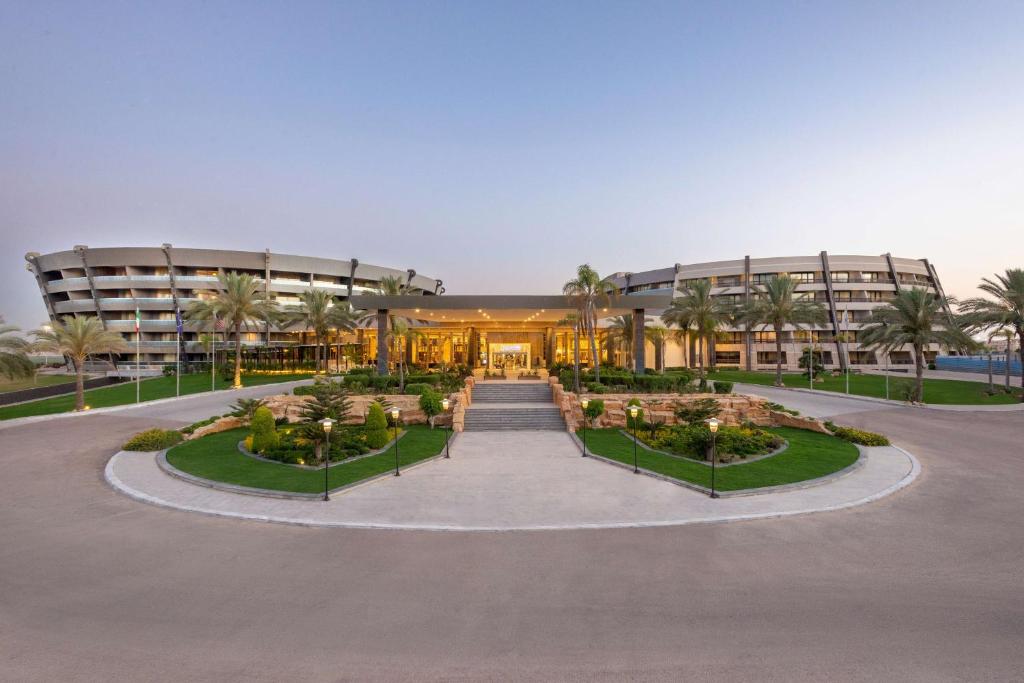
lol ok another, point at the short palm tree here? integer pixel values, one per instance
(400, 335)
(1004, 309)
(914, 318)
(312, 312)
(589, 292)
(774, 305)
(573, 320)
(620, 331)
(696, 309)
(657, 335)
(78, 338)
(14, 360)
(238, 303)
(343, 318)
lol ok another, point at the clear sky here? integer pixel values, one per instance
(498, 145)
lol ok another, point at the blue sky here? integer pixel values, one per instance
(496, 146)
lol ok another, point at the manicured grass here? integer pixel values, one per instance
(122, 394)
(216, 457)
(937, 391)
(29, 383)
(810, 455)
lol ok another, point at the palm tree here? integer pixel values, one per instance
(573, 320)
(14, 360)
(389, 285)
(916, 318)
(78, 338)
(238, 303)
(312, 312)
(657, 335)
(1005, 309)
(695, 309)
(589, 291)
(343, 318)
(620, 331)
(775, 305)
(400, 335)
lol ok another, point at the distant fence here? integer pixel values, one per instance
(53, 390)
(978, 364)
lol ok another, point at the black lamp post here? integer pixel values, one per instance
(327, 423)
(447, 433)
(394, 418)
(633, 412)
(713, 426)
(584, 403)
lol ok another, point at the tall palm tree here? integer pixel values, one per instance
(573, 320)
(400, 335)
(238, 303)
(312, 312)
(620, 331)
(14, 360)
(343, 318)
(695, 309)
(775, 305)
(657, 335)
(589, 292)
(389, 285)
(1004, 309)
(79, 338)
(916, 318)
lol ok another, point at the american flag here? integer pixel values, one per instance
(218, 324)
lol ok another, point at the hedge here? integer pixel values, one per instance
(153, 440)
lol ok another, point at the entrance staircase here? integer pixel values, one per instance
(505, 405)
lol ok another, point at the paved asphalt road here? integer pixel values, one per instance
(925, 585)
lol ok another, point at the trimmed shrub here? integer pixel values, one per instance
(417, 388)
(376, 427)
(153, 440)
(432, 380)
(595, 409)
(858, 436)
(264, 431)
(304, 390)
(638, 422)
(382, 382)
(430, 404)
(723, 387)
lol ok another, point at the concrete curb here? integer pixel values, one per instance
(31, 419)
(242, 449)
(720, 465)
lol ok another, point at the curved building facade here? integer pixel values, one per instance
(849, 287)
(111, 283)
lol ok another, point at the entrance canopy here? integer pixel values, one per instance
(501, 308)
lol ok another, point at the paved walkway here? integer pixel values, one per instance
(528, 480)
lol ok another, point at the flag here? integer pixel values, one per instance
(218, 324)
(138, 319)
(177, 320)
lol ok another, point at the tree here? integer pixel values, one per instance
(389, 285)
(14, 360)
(430, 404)
(573, 320)
(245, 408)
(329, 400)
(695, 412)
(696, 309)
(620, 330)
(79, 338)
(657, 335)
(914, 318)
(312, 312)
(343, 318)
(238, 303)
(589, 292)
(775, 305)
(401, 334)
(1004, 309)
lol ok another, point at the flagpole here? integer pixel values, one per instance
(213, 358)
(138, 365)
(177, 355)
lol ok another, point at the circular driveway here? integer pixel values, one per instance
(922, 585)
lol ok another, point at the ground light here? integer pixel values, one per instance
(327, 423)
(394, 418)
(633, 411)
(584, 403)
(713, 426)
(444, 406)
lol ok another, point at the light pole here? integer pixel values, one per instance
(394, 418)
(810, 362)
(713, 426)
(327, 423)
(633, 411)
(886, 353)
(846, 347)
(447, 435)
(584, 403)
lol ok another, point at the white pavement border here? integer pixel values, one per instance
(520, 481)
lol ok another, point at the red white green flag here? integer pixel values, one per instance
(138, 319)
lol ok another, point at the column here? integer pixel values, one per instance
(382, 341)
(639, 342)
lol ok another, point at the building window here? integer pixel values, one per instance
(768, 358)
(802, 277)
(761, 278)
(727, 357)
(840, 276)
(764, 337)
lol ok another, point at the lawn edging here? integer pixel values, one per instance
(246, 452)
(807, 483)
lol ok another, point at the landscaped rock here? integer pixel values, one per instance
(735, 408)
(220, 425)
(782, 419)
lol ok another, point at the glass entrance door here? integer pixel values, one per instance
(509, 357)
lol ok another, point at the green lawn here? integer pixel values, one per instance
(122, 394)
(216, 457)
(810, 455)
(937, 391)
(30, 383)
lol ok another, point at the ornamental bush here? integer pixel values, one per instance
(857, 436)
(430, 404)
(638, 422)
(723, 387)
(376, 427)
(417, 388)
(264, 431)
(595, 409)
(153, 440)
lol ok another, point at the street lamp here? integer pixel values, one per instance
(584, 403)
(713, 426)
(394, 419)
(633, 412)
(444, 406)
(327, 423)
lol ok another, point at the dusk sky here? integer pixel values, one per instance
(498, 145)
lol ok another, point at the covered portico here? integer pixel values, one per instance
(526, 331)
